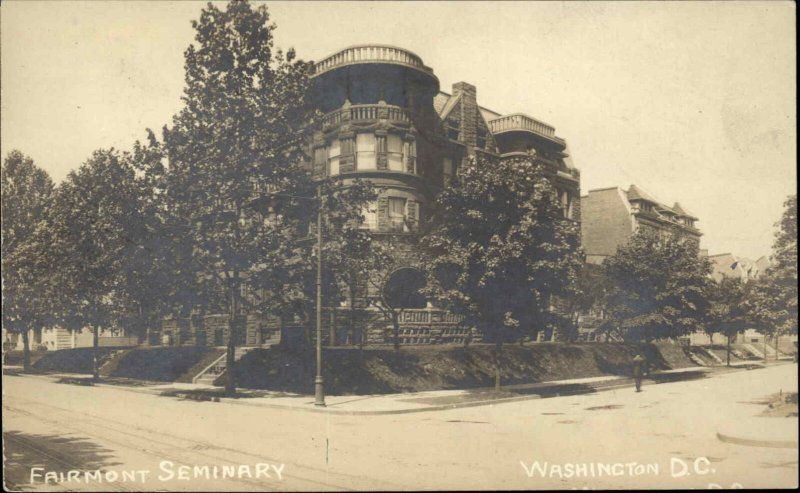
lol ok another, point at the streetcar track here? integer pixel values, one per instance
(192, 443)
(161, 455)
(25, 443)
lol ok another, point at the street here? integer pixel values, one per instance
(140, 441)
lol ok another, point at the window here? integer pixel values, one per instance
(394, 152)
(320, 157)
(410, 153)
(370, 213)
(453, 128)
(365, 150)
(447, 171)
(566, 204)
(481, 138)
(397, 214)
(333, 157)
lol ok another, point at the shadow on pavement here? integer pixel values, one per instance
(52, 452)
(676, 377)
(216, 394)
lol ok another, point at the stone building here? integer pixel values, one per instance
(610, 216)
(386, 120)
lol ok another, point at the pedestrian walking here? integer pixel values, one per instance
(638, 371)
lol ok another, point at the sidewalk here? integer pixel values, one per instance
(387, 404)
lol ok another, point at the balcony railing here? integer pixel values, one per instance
(522, 122)
(366, 112)
(371, 54)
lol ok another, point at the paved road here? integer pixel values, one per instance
(591, 439)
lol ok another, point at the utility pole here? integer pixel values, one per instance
(319, 389)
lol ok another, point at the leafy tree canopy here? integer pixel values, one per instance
(500, 248)
(660, 286)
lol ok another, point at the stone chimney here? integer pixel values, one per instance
(469, 114)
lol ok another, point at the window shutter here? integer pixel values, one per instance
(383, 214)
(411, 156)
(347, 161)
(319, 163)
(380, 147)
(412, 214)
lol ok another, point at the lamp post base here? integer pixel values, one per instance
(319, 392)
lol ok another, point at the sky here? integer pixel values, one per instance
(693, 102)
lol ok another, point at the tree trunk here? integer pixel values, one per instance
(332, 335)
(776, 346)
(95, 351)
(729, 350)
(230, 356)
(497, 350)
(711, 339)
(765, 347)
(396, 329)
(26, 351)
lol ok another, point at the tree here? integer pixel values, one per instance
(660, 286)
(395, 282)
(26, 192)
(782, 275)
(588, 297)
(501, 250)
(350, 252)
(92, 240)
(727, 312)
(772, 299)
(238, 135)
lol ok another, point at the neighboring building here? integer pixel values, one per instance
(385, 120)
(53, 339)
(745, 269)
(729, 265)
(610, 216)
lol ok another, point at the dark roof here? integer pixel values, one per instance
(683, 212)
(636, 193)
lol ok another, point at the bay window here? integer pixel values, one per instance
(365, 151)
(370, 213)
(334, 150)
(394, 152)
(397, 214)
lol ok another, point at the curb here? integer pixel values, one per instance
(611, 384)
(749, 442)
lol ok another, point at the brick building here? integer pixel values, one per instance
(610, 216)
(386, 120)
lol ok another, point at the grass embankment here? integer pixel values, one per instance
(14, 358)
(415, 369)
(169, 364)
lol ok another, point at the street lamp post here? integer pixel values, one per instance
(319, 387)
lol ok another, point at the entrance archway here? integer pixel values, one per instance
(402, 289)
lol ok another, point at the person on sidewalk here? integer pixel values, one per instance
(638, 371)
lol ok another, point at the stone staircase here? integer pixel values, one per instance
(750, 348)
(217, 368)
(713, 356)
